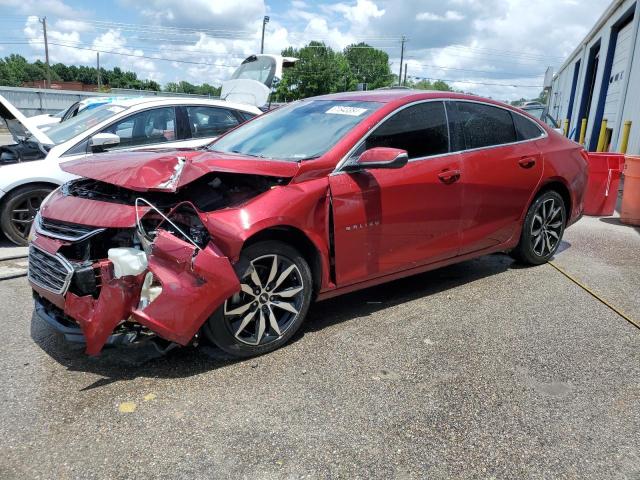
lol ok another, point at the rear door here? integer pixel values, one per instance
(391, 220)
(207, 123)
(502, 167)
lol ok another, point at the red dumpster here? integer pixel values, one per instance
(604, 179)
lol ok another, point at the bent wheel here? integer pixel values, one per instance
(542, 230)
(276, 287)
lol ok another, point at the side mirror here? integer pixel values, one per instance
(101, 141)
(379, 157)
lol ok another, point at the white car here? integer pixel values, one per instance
(29, 169)
(48, 120)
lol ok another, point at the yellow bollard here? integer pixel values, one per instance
(624, 142)
(603, 136)
(583, 131)
(565, 128)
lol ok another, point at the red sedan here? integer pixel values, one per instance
(318, 198)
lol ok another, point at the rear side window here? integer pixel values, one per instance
(210, 121)
(246, 115)
(420, 129)
(485, 125)
(525, 128)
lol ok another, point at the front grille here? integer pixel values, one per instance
(65, 231)
(50, 272)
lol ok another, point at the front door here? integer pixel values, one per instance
(391, 220)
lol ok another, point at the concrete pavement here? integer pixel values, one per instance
(479, 370)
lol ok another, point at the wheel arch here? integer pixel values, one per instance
(557, 185)
(31, 182)
(296, 238)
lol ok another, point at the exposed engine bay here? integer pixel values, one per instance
(128, 280)
(24, 151)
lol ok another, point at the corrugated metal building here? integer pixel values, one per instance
(601, 79)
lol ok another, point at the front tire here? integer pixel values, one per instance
(276, 291)
(19, 209)
(542, 230)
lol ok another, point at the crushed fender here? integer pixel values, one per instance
(194, 283)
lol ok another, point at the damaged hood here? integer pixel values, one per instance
(19, 125)
(167, 171)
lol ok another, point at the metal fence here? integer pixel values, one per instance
(36, 101)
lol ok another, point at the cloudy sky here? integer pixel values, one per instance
(497, 48)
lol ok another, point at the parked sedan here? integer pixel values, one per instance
(30, 169)
(318, 198)
(45, 121)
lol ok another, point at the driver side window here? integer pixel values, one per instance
(157, 125)
(420, 129)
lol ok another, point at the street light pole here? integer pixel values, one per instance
(98, 69)
(265, 20)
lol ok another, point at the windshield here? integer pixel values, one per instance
(82, 122)
(302, 130)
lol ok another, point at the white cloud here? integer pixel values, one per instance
(449, 15)
(360, 13)
(508, 42)
(40, 7)
(72, 25)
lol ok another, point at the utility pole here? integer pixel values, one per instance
(404, 39)
(46, 50)
(265, 20)
(405, 75)
(98, 69)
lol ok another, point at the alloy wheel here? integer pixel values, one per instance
(270, 298)
(546, 227)
(24, 212)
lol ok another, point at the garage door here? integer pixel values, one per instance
(618, 73)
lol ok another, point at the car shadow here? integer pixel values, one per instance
(143, 359)
(616, 221)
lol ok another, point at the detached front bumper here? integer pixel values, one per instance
(71, 330)
(194, 282)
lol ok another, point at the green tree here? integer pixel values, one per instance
(206, 89)
(425, 84)
(318, 71)
(368, 65)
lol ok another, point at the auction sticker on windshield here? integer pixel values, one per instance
(344, 110)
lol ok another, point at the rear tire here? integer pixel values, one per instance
(18, 210)
(272, 305)
(542, 229)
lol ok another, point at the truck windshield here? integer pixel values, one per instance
(300, 131)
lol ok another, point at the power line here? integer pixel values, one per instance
(478, 71)
(111, 52)
(480, 83)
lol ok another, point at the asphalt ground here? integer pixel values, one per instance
(480, 370)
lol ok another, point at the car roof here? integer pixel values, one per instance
(395, 95)
(152, 100)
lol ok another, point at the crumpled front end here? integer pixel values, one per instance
(106, 285)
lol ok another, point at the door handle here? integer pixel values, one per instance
(527, 162)
(449, 176)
